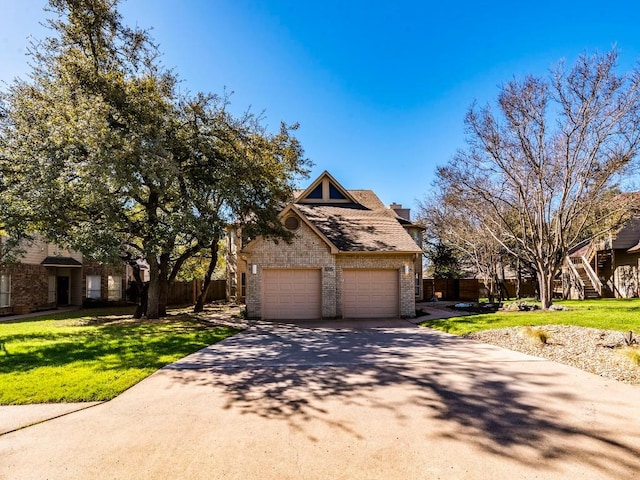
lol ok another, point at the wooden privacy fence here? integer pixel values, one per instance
(528, 287)
(471, 290)
(181, 293)
(466, 289)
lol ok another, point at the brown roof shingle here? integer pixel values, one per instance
(364, 227)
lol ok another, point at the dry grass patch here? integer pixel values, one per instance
(632, 353)
(537, 335)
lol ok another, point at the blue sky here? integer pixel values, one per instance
(380, 88)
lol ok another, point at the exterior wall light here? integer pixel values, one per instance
(405, 269)
(254, 269)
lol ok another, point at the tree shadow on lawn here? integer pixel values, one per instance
(111, 346)
(293, 374)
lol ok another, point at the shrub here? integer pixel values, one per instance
(536, 335)
(633, 354)
(520, 307)
(629, 339)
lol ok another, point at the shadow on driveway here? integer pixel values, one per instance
(534, 412)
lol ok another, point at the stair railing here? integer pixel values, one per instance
(590, 253)
(578, 282)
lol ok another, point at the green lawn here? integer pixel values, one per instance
(91, 355)
(608, 314)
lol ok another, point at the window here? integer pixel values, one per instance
(334, 193)
(51, 297)
(316, 192)
(115, 287)
(243, 290)
(93, 287)
(418, 285)
(5, 290)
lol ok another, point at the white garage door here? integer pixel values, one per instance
(370, 294)
(291, 294)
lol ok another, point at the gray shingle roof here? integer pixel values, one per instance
(368, 226)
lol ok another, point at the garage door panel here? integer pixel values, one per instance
(291, 294)
(370, 293)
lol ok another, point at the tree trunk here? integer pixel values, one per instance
(518, 279)
(144, 302)
(142, 289)
(504, 293)
(498, 286)
(153, 296)
(202, 295)
(163, 296)
(545, 285)
(163, 284)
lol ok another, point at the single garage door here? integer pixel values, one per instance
(370, 294)
(291, 294)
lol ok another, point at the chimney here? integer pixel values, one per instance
(401, 212)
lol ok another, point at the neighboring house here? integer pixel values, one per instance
(351, 257)
(605, 268)
(47, 276)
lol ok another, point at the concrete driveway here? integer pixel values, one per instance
(292, 402)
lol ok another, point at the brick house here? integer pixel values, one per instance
(606, 267)
(47, 276)
(351, 257)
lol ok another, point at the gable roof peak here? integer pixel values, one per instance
(325, 189)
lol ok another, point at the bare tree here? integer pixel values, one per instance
(537, 175)
(450, 223)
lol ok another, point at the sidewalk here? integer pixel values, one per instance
(436, 310)
(13, 318)
(15, 417)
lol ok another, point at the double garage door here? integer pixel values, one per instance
(297, 293)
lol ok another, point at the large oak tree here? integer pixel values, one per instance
(118, 163)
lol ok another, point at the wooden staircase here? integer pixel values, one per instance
(590, 285)
(589, 290)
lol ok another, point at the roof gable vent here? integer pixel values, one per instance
(291, 223)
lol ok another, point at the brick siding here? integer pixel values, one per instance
(29, 288)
